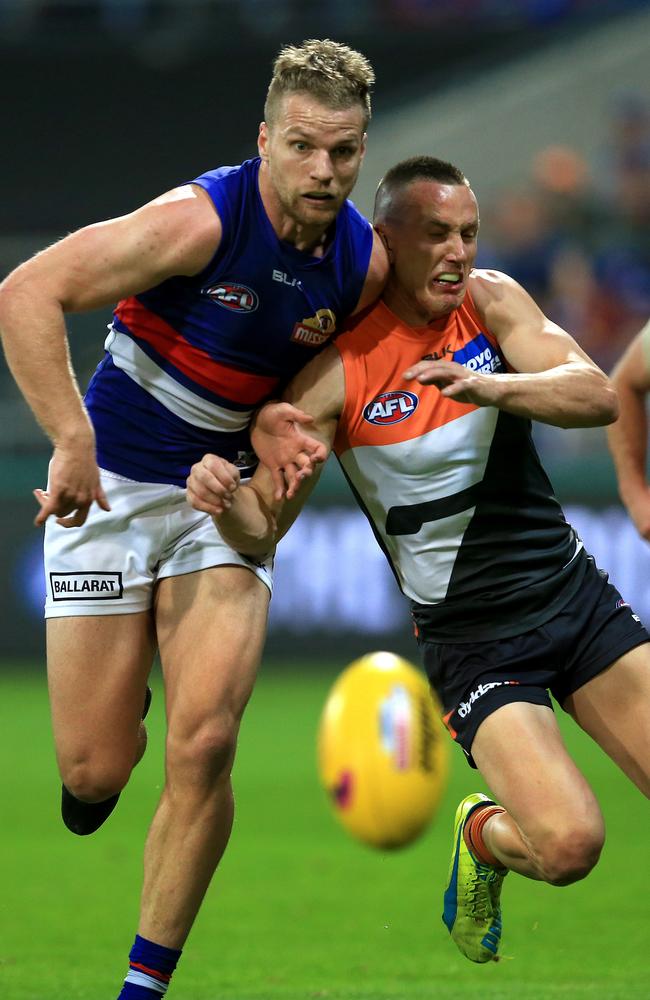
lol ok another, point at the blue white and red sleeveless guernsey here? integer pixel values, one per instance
(188, 361)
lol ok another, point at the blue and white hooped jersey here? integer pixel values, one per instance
(188, 361)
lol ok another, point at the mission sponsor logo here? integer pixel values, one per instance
(480, 356)
(391, 407)
(230, 295)
(314, 331)
(86, 586)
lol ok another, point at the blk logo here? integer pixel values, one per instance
(439, 355)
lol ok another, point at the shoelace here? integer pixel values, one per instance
(480, 904)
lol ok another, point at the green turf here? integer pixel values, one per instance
(298, 910)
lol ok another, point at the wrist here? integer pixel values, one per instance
(75, 437)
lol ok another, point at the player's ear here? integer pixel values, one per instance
(383, 236)
(263, 141)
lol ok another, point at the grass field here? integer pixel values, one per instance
(298, 910)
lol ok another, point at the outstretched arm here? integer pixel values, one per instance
(628, 437)
(282, 434)
(553, 381)
(252, 518)
(176, 234)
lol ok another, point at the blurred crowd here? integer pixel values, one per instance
(268, 16)
(577, 234)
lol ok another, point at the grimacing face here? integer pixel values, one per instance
(313, 154)
(431, 235)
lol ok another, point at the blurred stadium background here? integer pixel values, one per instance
(544, 103)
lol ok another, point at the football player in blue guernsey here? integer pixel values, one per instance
(427, 401)
(227, 286)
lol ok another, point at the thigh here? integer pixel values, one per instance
(211, 627)
(97, 673)
(520, 752)
(614, 708)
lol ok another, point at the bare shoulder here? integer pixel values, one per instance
(489, 287)
(177, 233)
(376, 275)
(502, 302)
(186, 221)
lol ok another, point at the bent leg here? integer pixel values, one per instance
(553, 828)
(614, 709)
(211, 628)
(97, 673)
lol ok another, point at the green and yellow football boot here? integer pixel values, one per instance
(472, 913)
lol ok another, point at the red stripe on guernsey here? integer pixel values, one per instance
(154, 973)
(231, 383)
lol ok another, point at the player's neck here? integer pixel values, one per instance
(312, 239)
(406, 308)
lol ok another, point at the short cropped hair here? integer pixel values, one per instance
(331, 72)
(417, 168)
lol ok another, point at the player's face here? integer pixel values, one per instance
(311, 156)
(432, 246)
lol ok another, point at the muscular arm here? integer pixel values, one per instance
(176, 234)
(252, 520)
(628, 437)
(554, 381)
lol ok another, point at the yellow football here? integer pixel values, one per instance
(382, 750)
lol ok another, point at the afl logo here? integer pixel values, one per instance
(237, 298)
(390, 407)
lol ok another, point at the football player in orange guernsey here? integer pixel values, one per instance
(427, 401)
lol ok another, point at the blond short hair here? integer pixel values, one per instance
(331, 72)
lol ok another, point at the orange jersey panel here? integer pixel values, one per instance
(381, 406)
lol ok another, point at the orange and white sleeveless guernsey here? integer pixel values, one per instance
(454, 492)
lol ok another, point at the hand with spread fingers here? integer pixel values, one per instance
(282, 445)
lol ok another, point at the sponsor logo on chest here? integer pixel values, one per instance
(285, 279)
(86, 586)
(314, 331)
(479, 355)
(230, 295)
(390, 407)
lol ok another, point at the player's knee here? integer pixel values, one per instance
(571, 854)
(205, 756)
(95, 781)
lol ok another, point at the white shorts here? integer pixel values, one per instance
(110, 564)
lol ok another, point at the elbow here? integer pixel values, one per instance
(610, 408)
(17, 296)
(599, 409)
(603, 407)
